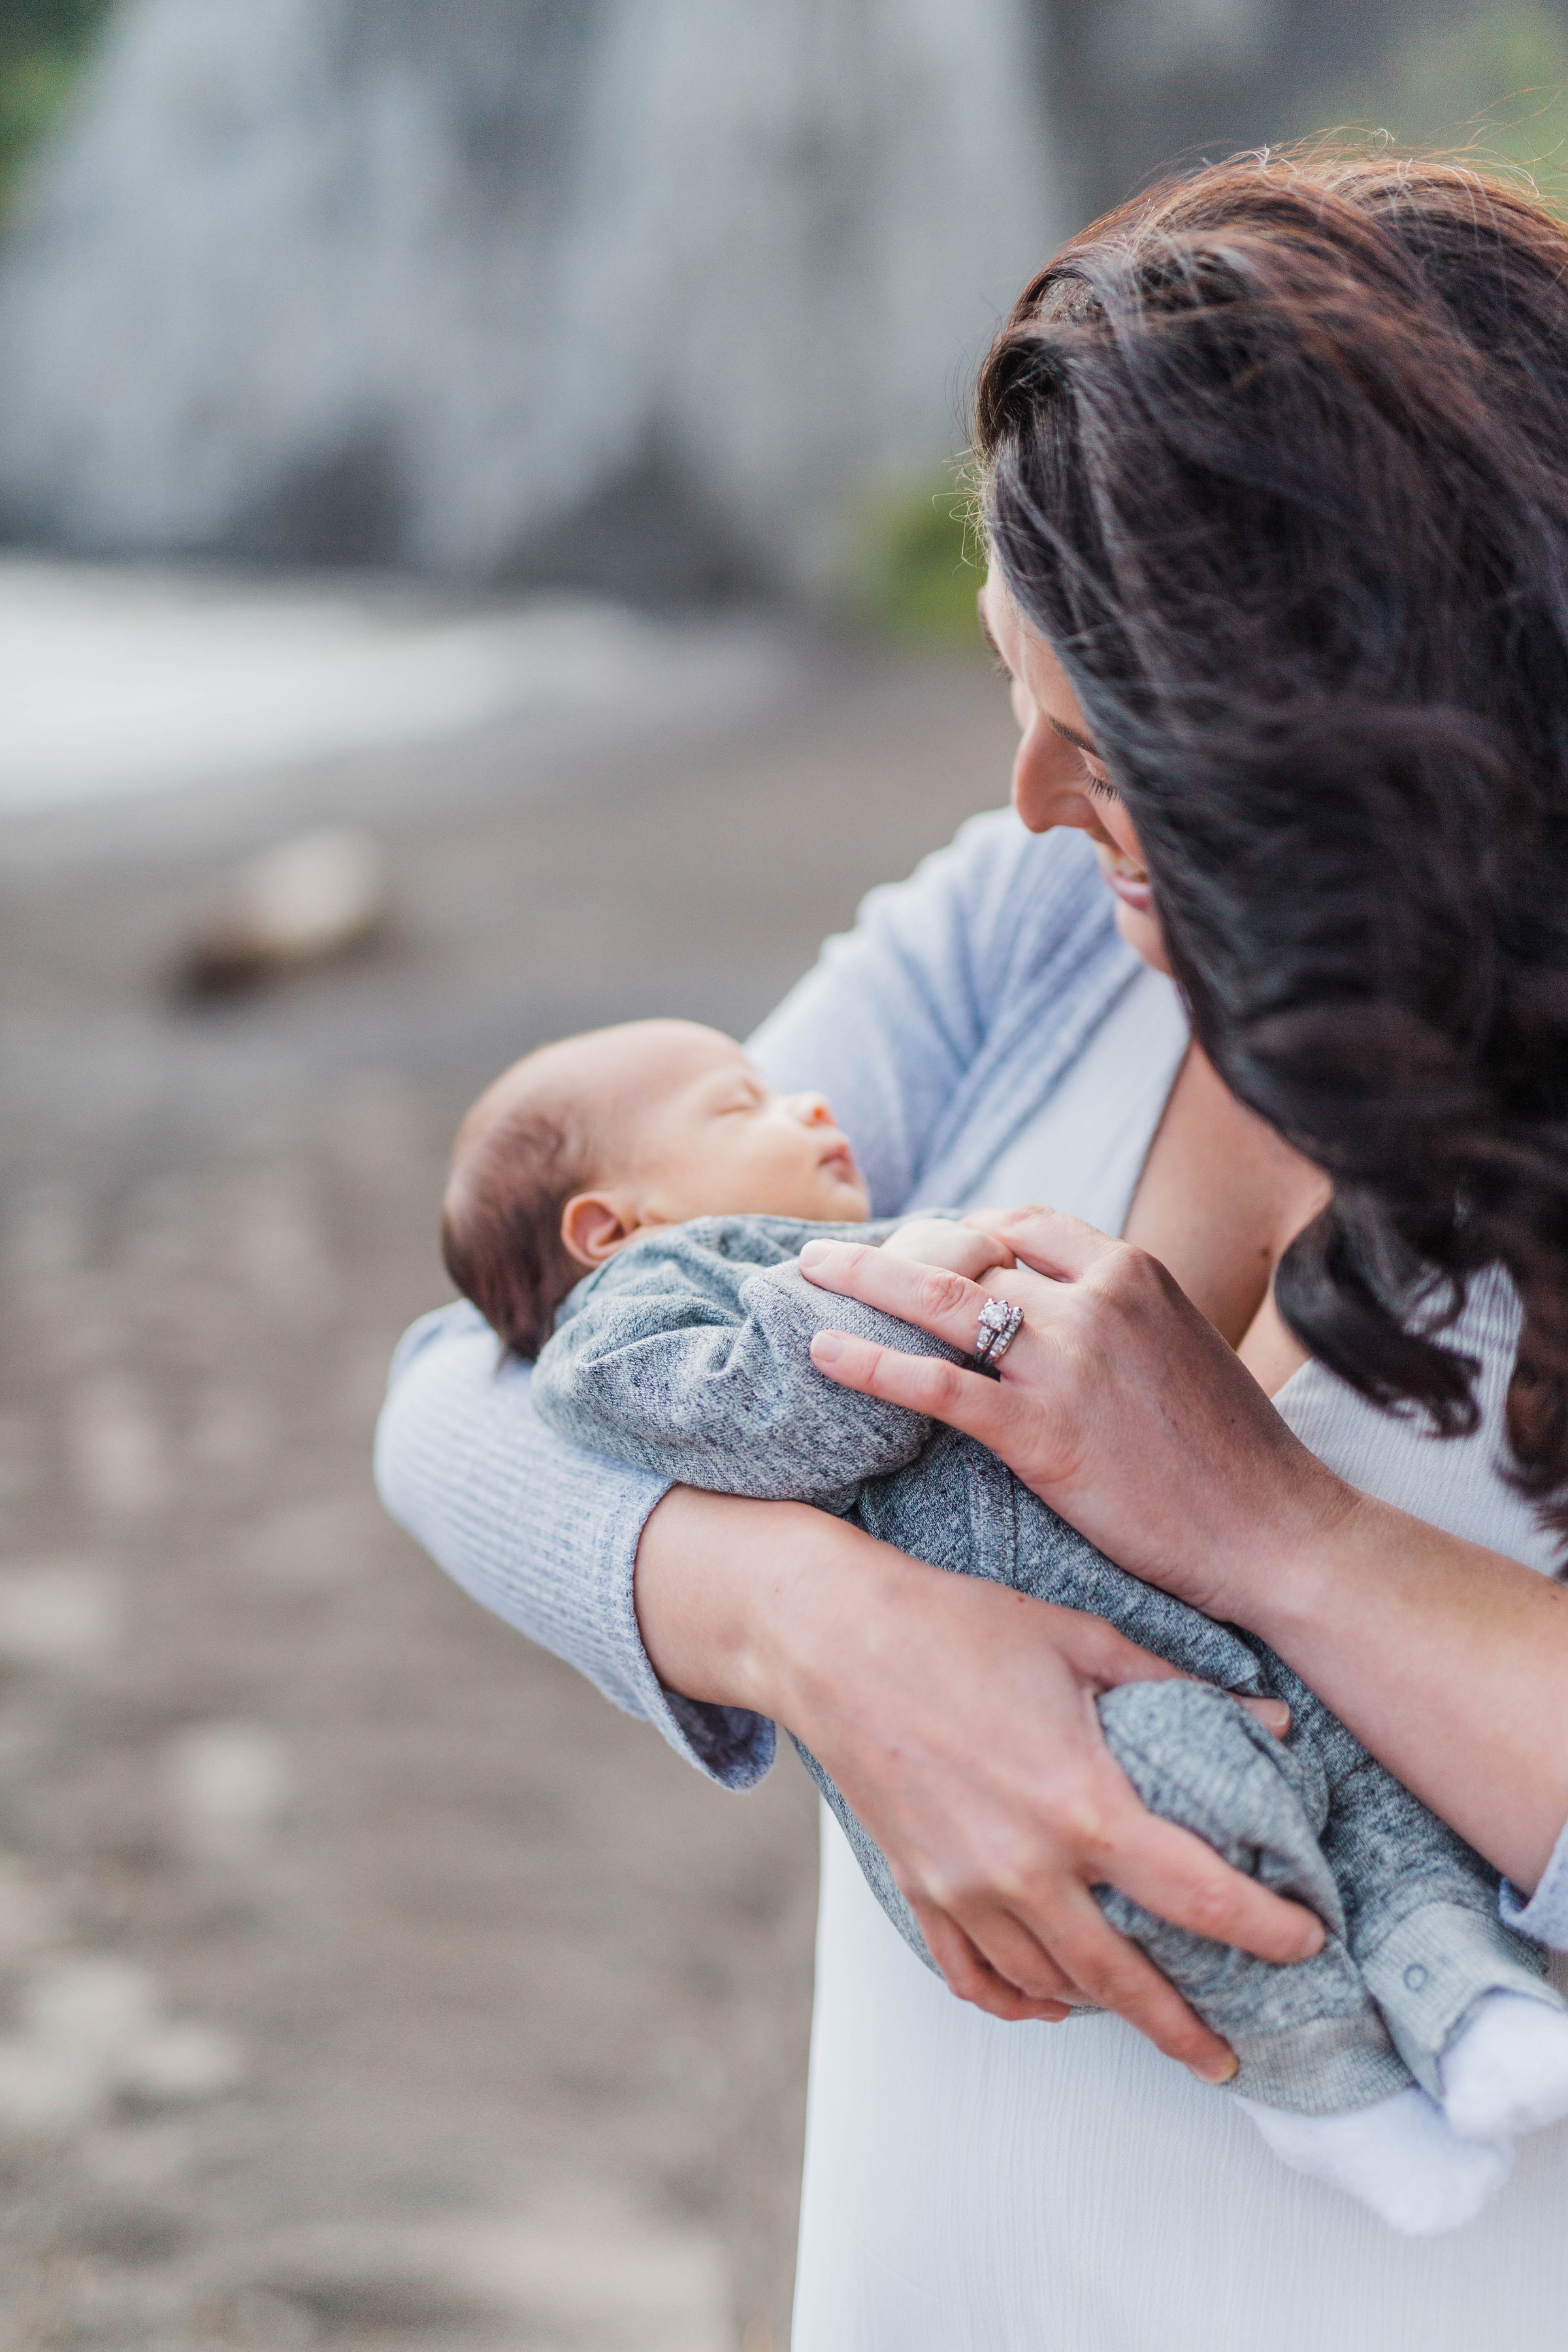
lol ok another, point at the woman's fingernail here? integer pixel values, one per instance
(826, 1347)
(1219, 2070)
(813, 1254)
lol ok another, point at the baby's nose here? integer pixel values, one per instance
(812, 1110)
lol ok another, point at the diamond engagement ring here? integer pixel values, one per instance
(999, 1327)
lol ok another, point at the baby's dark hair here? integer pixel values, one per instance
(500, 1220)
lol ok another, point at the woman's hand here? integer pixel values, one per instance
(1124, 1410)
(1117, 1403)
(958, 1719)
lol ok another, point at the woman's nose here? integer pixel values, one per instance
(812, 1110)
(1048, 786)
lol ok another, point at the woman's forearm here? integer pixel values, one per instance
(726, 1587)
(1449, 1662)
(786, 1609)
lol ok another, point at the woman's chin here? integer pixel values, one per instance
(1140, 927)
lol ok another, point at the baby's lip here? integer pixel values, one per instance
(839, 1155)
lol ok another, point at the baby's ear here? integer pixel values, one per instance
(595, 1225)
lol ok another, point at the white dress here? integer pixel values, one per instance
(977, 2186)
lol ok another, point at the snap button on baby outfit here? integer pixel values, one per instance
(1415, 1976)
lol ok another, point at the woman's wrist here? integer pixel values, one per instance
(1449, 1662)
(1284, 1564)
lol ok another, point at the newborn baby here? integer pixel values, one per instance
(642, 1194)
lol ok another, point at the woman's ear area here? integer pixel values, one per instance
(595, 1225)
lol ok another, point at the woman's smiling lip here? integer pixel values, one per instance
(1126, 878)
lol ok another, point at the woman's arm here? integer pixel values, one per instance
(1121, 1407)
(958, 1719)
(1448, 1661)
(541, 1533)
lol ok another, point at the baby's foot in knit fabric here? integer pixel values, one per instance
(1507, 2071)
(1400, 2158)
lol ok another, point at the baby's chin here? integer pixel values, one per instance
(848, 1204)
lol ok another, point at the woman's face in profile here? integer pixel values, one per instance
(1059, 777)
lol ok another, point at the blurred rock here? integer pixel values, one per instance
(594, 2270)
(90, 2029)
(95, 2007)
(20, 1455)
(30, 1916)
(225, 1784)
(314, 1545)
(625, 293)
(174, 2065)
(234, 1431)
(67, 1614)
(121, 1465)
(1139, 84)
(300, 903)
(78, 2016)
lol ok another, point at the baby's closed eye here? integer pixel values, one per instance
(936, 1241)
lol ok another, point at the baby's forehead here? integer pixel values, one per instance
(657, 1057)
(641, 1060)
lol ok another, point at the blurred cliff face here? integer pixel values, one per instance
(636, 294)
(614, 291)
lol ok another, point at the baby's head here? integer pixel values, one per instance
(579, 1148)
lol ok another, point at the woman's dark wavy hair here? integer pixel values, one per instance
(1276, 457)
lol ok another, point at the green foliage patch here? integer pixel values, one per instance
(42, 45)
(920, 563)
(1492, 81)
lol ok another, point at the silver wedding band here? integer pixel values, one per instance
(999, 1327)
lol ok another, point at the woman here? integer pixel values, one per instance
(1278, 510)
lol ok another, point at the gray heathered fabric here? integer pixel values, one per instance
(686, 1356)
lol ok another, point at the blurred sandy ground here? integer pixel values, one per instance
(364, 1979)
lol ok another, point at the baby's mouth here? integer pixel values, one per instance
(1126, 878)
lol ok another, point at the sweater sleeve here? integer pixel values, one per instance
(537, 1530)
(546, 1535)
(892, 1017)
(1545, 1917)
(696, 1365)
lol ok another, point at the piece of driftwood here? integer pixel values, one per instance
(305, 901)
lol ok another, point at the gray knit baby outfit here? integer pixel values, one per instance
(688, 1354)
